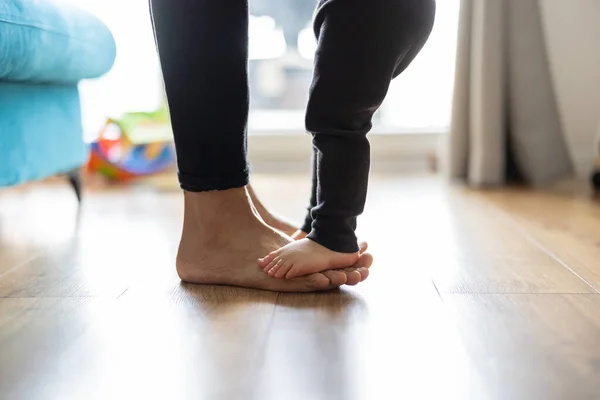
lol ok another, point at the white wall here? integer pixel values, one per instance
(134, 83)
(573, 41)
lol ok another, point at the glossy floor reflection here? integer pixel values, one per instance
(472, 296)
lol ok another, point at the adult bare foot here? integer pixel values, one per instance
(222, 238)
(304, 257)
(271, 219)
(299, 234)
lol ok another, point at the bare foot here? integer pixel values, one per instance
(271, 219)
(222, 238)
(299, 235)
(304, 257)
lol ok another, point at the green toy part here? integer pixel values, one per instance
(146, 127)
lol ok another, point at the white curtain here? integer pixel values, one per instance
(505, 119)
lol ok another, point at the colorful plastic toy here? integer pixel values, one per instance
(136, 145)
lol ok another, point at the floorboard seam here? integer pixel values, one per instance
(19, 265)
(534, 241)
(265, 342)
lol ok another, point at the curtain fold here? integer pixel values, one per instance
(505, 118)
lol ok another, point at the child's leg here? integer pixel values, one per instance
(362, 47)
(404, 63)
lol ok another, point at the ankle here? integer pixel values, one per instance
(217, 205)
(216, 196)
(213, 212)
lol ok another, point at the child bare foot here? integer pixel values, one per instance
(223, 237)
(304, 257)
(280, 223)
(300, 234)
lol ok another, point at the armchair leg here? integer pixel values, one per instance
(76, 182)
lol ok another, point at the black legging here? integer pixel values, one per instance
(362, 46)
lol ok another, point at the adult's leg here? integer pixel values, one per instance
(203, 53)
(202, 46)
(362, 46)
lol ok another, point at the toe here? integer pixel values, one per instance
(354, 278)
(364, 273)
(320, 281)
(337, 278)
(266, 261)
(365, 261)
(359, 271)
(276, 268)
(363, 246)
(293, 272)
(272, 265)
(284, 270)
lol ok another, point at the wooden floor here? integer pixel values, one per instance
(473, 295)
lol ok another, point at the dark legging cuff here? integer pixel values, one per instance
(307, 225)
(193, 183)
(341, 243)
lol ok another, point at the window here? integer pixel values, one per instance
(282, 48)
(280, 67)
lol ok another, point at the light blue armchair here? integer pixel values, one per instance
(46, 48)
